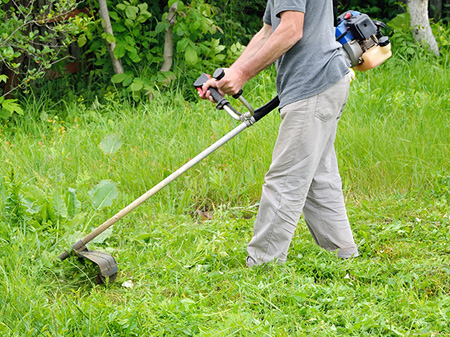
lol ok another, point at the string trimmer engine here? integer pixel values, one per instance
(362, 40)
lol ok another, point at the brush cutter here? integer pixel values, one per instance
(106, 263)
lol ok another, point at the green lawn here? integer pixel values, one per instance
(182, 274)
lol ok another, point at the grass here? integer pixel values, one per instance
(404, 118)
(183, 274)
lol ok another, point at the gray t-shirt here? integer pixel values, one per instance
(316, 61)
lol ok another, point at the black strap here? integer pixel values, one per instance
(335, 12)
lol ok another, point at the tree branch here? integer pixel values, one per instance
(104, 14)
(168, 38)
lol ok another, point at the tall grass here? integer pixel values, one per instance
(394, 136)
(58, 147)
(186, 272)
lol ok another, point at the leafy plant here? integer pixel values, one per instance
(33, 39)
(8, 107)
(402, 39)
(383, 10)
(103, 194)
(14, 208)
(404, 43)
(139, 38)
(136, 45)
(441, 32)
(111, 144)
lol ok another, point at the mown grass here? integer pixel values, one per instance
(183, 251)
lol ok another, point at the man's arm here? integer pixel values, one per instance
(265, 50)
(258, 40)
(255, 44)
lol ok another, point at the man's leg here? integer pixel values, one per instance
(304, 134)
(324, 209)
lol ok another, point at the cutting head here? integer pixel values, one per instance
(107, 265)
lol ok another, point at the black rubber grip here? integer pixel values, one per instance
(217, 97)
(236, 96)
(265, 109)
(219, 74)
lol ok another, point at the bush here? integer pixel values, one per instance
(33, 39)
(383, 10)
(404, 44)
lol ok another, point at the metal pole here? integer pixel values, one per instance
(165, 182)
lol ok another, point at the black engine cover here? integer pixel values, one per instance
(362, 27)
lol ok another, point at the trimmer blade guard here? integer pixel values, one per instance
(107, 265)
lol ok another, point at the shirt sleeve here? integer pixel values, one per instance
(289, 5)
(267, 14)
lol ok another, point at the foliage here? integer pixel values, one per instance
(404, 44)
(43, 208)
(13, 208)
(240, 20)
(194, 24)
(128, 23)
(8, 107)
(140, 49)
(383, 10)
(441, 32)
(207, 34)
(401, 36)
(33, 39)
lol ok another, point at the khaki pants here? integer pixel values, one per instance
(304, 176)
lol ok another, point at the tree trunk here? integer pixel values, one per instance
(13, 81)
(418, 10)
(168, 38)
(104, 14)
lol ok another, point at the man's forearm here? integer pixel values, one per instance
(254, 46)
(264, 49)
(269, 50)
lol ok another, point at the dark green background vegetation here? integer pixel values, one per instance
(207, 34)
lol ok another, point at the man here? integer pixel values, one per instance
(312, 83)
